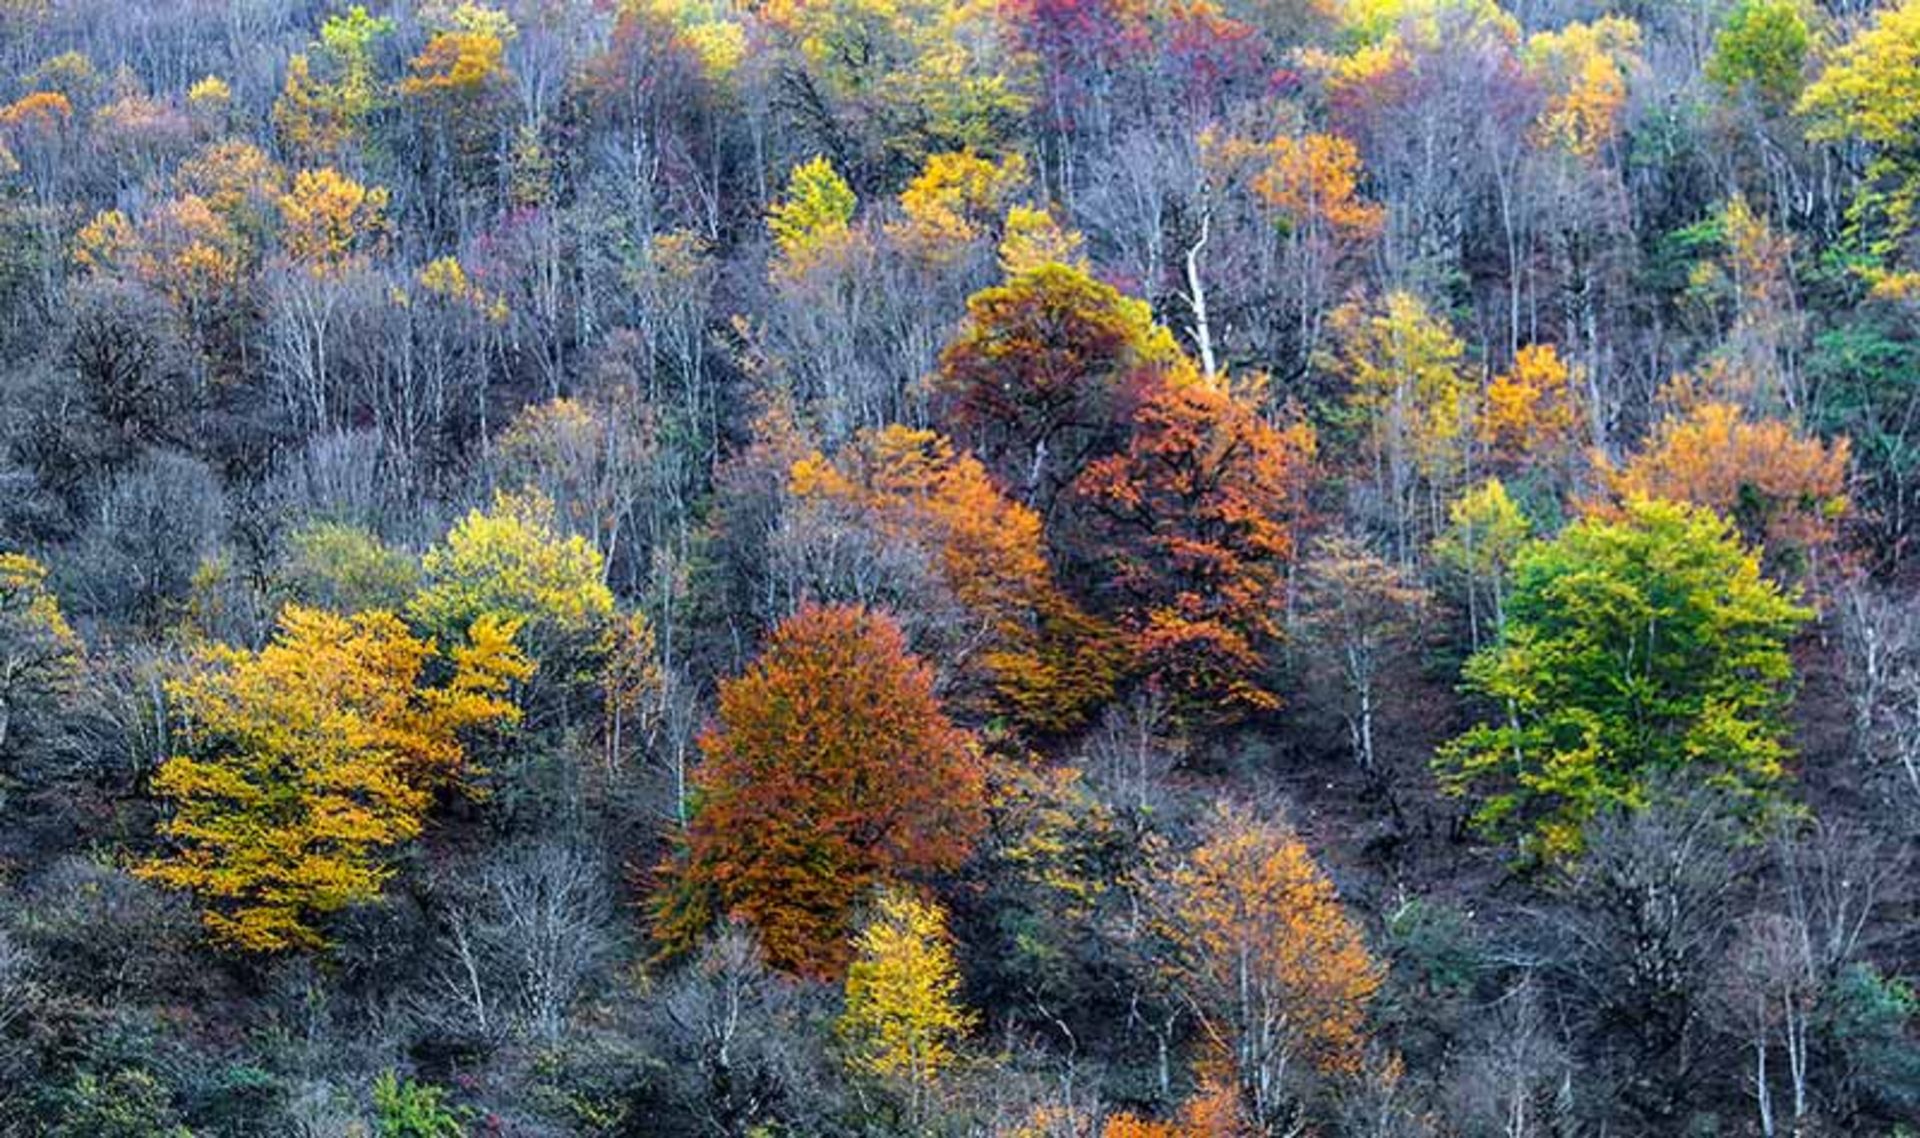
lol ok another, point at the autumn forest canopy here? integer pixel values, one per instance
(987, 569)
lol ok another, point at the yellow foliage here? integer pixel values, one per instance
(512, 564)
(903, 1016)
(812, 220)
(302, 762)
(952, 198)
(1033, 238)
(1585, 70)
(1404, 367)
(1534, 409)
(328, 218)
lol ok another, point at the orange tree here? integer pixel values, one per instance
(1045, 374)
(1277, 973)
(1043, 661)
(1192, 525)
(832, 770)
(299, 763)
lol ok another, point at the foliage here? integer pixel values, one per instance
(1762, 47)
(1270, 960)
(406, 1109)
(1193, 524)
(511, 564)
(904, 1017)
(1046, 373)
(1046, 661)
(41, 660)
(831, 770)
(1784, 491)
(303, 762)
(347, 570)
(1633, 649)
(811, 220)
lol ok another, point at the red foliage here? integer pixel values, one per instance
(832, 770)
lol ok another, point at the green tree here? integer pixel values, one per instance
(1762, 48)
(1632, 649)
(406, 1109)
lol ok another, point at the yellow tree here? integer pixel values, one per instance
(812, 221)
(1485, 530)
(1402, 364)
(41, 659)
(512, 563)
(1870, 92)
(1275, 971)
(1585, 69)
(953, 200)
(328, 218)
(302, 762)
(903, 1015)
(1533, 413)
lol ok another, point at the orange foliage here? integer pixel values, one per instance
(1195, 524)
(1044, 659)
(1314, 182)
(1213, 1113)
(1532, 412)
(1783, 489)
(1270, 961)
(832, 770)
(44, 111)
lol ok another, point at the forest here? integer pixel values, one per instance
(959, 568)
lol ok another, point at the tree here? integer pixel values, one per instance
(1015, 633)
(814, 218)
(1044, 376)
(1403, 366)
(1192, 528)
(302, 762)
(328, 218)
(1272, 967)
(1360, 610)
(41, 660)
(1870, 92)
(1784, 490)
(512, 564)
(1485, 531)
(1644, 647)
(1585, 68)
(831, 770)
(1534, 413)
(903, 1015)
(1761, 50)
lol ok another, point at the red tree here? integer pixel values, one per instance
(832, 770)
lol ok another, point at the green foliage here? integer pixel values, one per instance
(406, 1109)
(1762, 48)
(347, 570)
(1647, 646)
(1871, 1017)
(817, 208)
(127, 1104)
